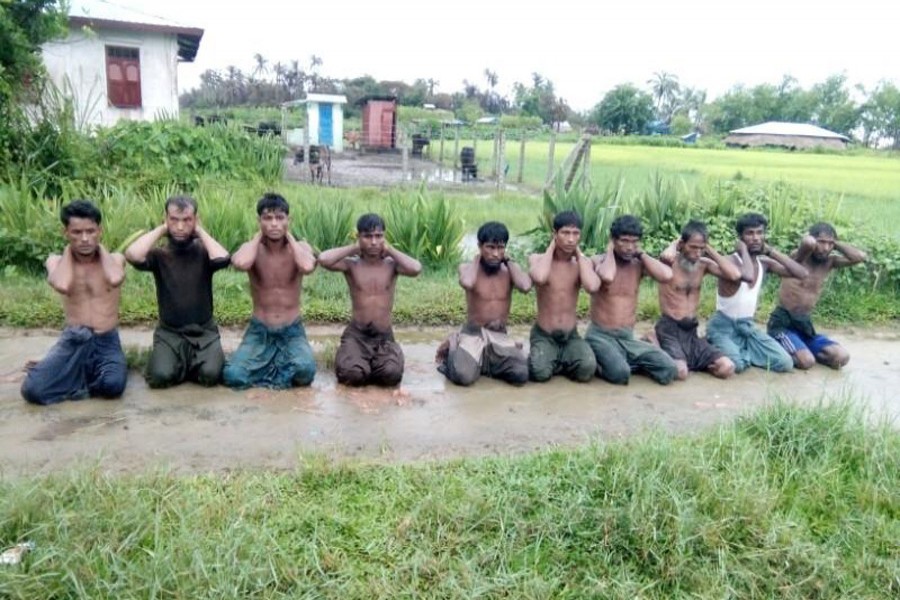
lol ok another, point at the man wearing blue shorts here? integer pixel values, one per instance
(790, 322)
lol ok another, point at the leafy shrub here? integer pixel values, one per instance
(324, 224)
(426, 229)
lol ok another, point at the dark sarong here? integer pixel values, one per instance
(81, 364)
(560, 353)
(271, 357)
(476, 351)
(368, 355)
(796, 332)
(189, 353)
(680, 341)
(618, 354)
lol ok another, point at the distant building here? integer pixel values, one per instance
(118, 63)
(794, 136)
(379, 122)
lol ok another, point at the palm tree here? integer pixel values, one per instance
(261, 67)
(432, 83)
(665, 88)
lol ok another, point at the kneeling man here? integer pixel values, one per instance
(691, 258)
(790, 322)
(88, 359)
(274, 352)
(482, 346)
(368, 352)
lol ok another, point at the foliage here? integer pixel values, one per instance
(324, 224)
(624, 110)
(24, 26)
(425, 228)
(597, 209)
(788, 502)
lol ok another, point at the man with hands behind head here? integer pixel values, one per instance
(274, 352)
(368, 353)
(558, 274)
(186, 344)
(482, 347)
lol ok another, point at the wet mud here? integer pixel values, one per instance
(191, 429)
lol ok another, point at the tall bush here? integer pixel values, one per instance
(425, 228)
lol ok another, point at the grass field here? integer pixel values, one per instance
(790, 503)
(868, 184)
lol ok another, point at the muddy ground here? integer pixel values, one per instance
(193, 429)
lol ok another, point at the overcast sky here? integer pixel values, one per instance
(584, 47)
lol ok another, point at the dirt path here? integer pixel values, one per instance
(192, 429)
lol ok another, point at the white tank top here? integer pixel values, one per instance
(743, 304)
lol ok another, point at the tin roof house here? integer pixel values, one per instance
(787, 135)
(119, 63)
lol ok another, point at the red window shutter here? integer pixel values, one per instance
(123, 77)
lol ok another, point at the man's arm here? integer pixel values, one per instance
(807, 245)
(605, 264)
(746, 261)
(113, 267)
(468, 273)
(214, 249)
(720, 266)
(783, 265)
(137, 252)
(670, 254)
(851, 255)
(540, 265)
(658, 271)
(590, 281)
(333, 260)
(303, 255)
(405, 264)
(520, 279)
(59, 271)
(243, 259)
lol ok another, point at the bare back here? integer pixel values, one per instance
(372, 284)
(275, 285)
(614, 306)
(557, 299)
(92, 301)
(680, 297)
(800, 296)
(488, 302)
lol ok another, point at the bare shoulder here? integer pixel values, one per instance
(52, 261)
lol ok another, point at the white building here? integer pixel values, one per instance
(117, 63)
(324, 120)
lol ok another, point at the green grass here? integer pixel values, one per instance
(788, 502)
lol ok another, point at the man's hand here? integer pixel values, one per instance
(808, 243)
(740, 247)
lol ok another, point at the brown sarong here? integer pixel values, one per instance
(368, 355)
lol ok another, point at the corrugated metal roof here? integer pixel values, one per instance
(102, 13)
(781, 128)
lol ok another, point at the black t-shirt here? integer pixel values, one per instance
(183, 282)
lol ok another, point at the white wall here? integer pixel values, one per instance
(78, 63)
(337, 120)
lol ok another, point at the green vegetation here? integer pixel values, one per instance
(789, 502)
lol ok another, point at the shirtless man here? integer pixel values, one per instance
(186, 345)
(614, 308)
(368, 352)
(274, 352)
(482, 346)
(790, 322)
(558, 275)
(87, 360)
(691, 258)
(731, 328)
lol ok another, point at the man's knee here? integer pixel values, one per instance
(304, 373)
(615, 372)
(111, 384)
(517, 374)
(540, 370)
(388, 377)
(666, 371)
(804, 359)
(209, 373)
(33, 392)
(583, 370)
(723, 368)
(353, 375)
(236, 377)
(781, 363)
(682, 370)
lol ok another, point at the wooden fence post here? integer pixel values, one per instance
(586, 165)
(441, 155)
(501, 151)
(521, 159)
(550, 158)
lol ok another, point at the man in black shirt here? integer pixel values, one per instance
(186, 345)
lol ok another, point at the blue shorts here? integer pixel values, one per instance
(794, 342)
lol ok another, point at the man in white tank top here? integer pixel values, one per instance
(731, 328)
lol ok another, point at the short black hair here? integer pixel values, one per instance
(82, 209)
(181, 203)
(750, 220)
(274, 202)
(369, 222)
(693, 228)
(493, 231)
(820, 228)
(567, 218)
(626, 225)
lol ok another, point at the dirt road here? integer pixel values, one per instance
(192, 429)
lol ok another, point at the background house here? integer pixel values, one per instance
(117, 63)
(787, 135)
